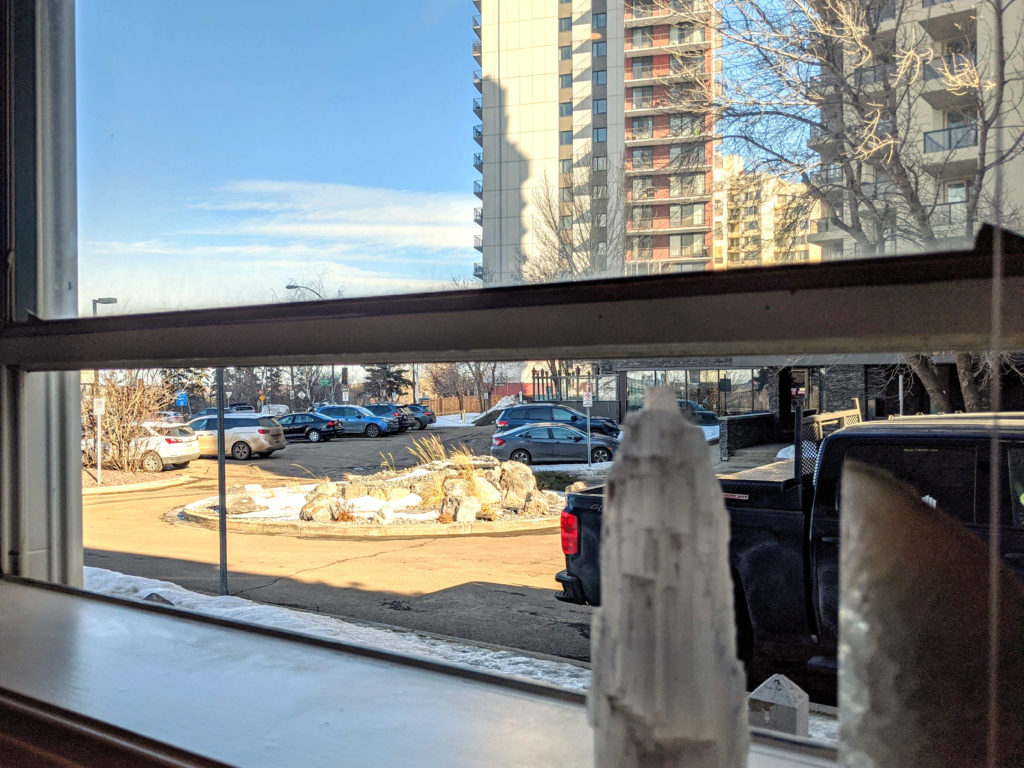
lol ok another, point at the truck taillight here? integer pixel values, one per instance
(570, 533)
(497, 441)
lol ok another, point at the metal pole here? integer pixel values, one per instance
(99, 449)
(222, 485)
(901, 394)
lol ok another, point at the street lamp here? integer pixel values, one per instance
(103, 300)
(297, 287)
(95, 305)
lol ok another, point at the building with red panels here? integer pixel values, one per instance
(669, 65)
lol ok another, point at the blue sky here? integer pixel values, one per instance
(228, 147)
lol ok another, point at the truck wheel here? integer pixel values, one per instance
(744, 627)
(151, 462)
(520, 455)
(241, 451)
(372, 430)
(599, 455)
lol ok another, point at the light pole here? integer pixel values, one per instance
(95, 312)
(297, 287)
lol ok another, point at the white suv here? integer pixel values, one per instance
(244, 435)
(165, 445)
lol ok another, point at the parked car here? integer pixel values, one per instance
(314, 427)
(424, 416)
(550, 442)
(519, 415)
(212, 411)
(164, 445)
(242, 407)
(244, 435)
(404, 417)
(271, 409)
(168, 417)
(698, 414)
(356, 420)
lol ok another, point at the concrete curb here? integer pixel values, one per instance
(344, 531)
(169, 482)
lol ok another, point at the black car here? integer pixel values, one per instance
(424, 416)
(314, 427)
(406, 419)
(518, 415)
(698, 414)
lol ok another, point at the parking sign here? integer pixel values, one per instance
(588, 399)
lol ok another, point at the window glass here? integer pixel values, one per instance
(561, 433)
(565, 109)
(600, 134)
(600, 20)
(565, 166)
(565, 24)
(565, 81)
(600, 77)
(600, 162)
(565, 52)
(537, 413)
(600, 49)
(565, 137)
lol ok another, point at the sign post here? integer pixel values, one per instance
(588, 403)
(99, 407)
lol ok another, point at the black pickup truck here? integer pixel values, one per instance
(784, 547)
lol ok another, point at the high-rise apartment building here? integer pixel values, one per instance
(589, 167)
(910, 129)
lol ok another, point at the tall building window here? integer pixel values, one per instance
(600, 192)
(686, 215)
(643, 37)
(565, 137)
(643, 188)
(686, 155)
(643, 247)
(643, 217)
(565, 166)
(600, 49)
(565, 194)
(602, 219)
(600, 163)
(600, 20)
(686, 125)
(600, 134)
(643, 67)
(565, 24)
(565, 109)
(565, 222)
(565, 52)
(686, 246)
(565, 81)
(686, 185)
(643, 127)
(600, 77)
(643, 158)
(600, 106)
(686, 34)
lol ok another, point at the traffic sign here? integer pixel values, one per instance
(588, 399)
(344, 395)
(99, 406)
(181, 398)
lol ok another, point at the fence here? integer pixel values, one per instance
(448, 405)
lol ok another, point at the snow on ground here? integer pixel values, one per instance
(397, 641)
(455, 420)
(406, 642)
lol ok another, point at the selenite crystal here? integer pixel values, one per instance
(914, 635)
(667, 688)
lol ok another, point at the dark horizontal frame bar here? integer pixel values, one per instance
(925, 303)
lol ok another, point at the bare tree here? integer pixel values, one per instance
(131, 398)
(578, 226)
(447, 379)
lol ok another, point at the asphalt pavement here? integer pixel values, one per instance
(495, 589)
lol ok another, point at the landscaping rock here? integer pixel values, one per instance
(466, 510)
(321, 509)
(536, 505)
(241, 504)
(579, 485)
(394, 494)
(327, 488)
(384, 515)
(353, 490)
(486, 492)
(517, 481)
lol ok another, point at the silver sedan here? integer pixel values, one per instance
(551, 442)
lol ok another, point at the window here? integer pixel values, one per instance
(686, 246)
(683, 35)
(643, 37)
(601, 219)
(600, 20)
(565, 109)
(686, 185)
(565, 24)
(600, 106)
(600, 135)
(686, 155)
(643, 98)
(686, 125)
(600, 77)
(643, 247)
(565, 137)
(642, 67)
(565, 223)
(643, 158)
(643, 188)
(565, 81)
(565, 52)
(600, 49)
(602, 248)
(643, 217)
(643, 127)
(686, 215)
(600, 192)
(565, 166)
(600, 163)
(565, 194)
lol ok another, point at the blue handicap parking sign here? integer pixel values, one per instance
(181, 398)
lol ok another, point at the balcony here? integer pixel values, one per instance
(478, 134)
(478, 80)
(478, 161)
(478, 242)
(950, 19)
(478, 216)
(950, 214)
(478, 50)
(940, 90)
(476, 25)
(478, 107)
(950, 139)
(665, 13)
(478, 271)
(478, 189)
(643, 45)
